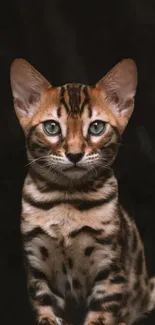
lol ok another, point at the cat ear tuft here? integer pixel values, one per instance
(119, 86)
(27, 85)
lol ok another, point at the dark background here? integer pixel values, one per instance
(77, 41)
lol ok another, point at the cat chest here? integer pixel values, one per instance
(64, 219)
(69, 245)
(71, 262)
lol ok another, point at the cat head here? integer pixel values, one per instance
(73, 130)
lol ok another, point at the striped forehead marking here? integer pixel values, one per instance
(74, 98)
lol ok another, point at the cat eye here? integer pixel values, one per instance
(96, 128)
(52, 128)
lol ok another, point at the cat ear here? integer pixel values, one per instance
(119, 86)
(27, 86)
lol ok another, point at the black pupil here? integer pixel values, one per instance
(53, 128)
(96, 126)
(53, 125)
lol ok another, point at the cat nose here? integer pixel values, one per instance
(75, 157)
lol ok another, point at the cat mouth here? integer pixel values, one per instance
(75, 170)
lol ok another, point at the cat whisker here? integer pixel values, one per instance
(92, 168)
(35, 160)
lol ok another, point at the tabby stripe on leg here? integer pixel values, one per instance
(113, 297)
(37, 274)
(109, 300)
(81, 205)
(96, 305)
(44, 299)
(118, 279)
(49, 300)
(102, 275)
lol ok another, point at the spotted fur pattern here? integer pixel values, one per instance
(84, 256)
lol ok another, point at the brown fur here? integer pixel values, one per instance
(84, 256)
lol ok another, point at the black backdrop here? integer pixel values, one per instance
(77, 41)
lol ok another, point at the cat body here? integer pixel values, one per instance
(84, 256)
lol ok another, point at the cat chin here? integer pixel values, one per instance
(63, 177)
(75, 173)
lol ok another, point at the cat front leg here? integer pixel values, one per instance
(106, 299)
(39, 253)
(46, 305)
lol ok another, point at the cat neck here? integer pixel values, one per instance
(104, 179)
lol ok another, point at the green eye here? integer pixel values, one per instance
(97, 128)
(52, 128)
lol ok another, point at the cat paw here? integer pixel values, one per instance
(60, 321)
(95, 318)
(48, 321)
(102, 318)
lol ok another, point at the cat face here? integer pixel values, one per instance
(75, 129)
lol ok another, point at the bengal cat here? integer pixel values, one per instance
(84, 256)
